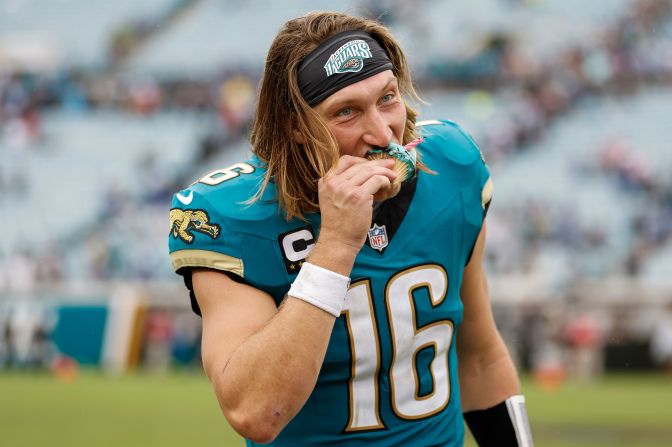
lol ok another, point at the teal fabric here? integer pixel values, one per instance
(408, 322)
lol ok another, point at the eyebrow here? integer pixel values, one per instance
(340, 103)
(392, 79)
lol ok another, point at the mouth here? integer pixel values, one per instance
(405, 158)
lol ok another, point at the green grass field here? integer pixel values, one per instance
(179, 409)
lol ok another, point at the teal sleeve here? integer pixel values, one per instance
(471, 176)
(199, 237)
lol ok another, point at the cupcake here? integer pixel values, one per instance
(405, 158)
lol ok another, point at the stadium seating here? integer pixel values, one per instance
(581, 179)
(78, 31)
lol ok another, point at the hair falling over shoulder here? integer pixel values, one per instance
(287, 134)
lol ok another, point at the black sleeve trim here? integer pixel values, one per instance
(485, 213)
(186, 275)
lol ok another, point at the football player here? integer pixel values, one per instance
(343, 295)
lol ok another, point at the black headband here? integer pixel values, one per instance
(339, 61)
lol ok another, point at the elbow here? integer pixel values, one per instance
(257, 414)
(251, 415)
(259, 427)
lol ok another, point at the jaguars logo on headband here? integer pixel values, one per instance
(348, 58)
(183, 222)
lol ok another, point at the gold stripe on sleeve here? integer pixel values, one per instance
(209, 259)
(486, 193)
(427, 123)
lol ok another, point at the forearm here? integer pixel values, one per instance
(269, 377)
(487, 377)
(493, 406)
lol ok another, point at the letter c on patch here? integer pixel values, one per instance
(288, 245)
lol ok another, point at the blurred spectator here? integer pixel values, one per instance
(49, 266)
(584, 336)
(144, 96)
(27, 337)
(236, 101)
(20, 273)
(630, 168)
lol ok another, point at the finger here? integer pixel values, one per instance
(386, 193)
(348, 161)
(387, 162)
(345, 162)
(360, 176)
(368, 165)
(375, 184)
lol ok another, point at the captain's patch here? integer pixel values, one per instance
(184, 222)
(295, 246)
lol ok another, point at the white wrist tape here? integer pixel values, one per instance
(321, 288)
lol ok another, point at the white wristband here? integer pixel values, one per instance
(521, 425)
(321, 288)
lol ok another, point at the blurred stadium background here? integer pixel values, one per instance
(108, 107)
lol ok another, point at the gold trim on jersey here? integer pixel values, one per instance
(486, 193)
(209, 259)
(427, 123)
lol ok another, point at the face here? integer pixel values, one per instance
(365, 114)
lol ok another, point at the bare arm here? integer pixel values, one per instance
(486, 372)
(264, 362)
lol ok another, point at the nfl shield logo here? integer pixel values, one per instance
(378, 237)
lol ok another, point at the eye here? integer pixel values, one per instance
(345, 112)
(388, 98)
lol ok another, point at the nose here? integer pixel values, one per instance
(377, 131)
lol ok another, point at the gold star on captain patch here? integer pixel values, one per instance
(292, 266)
(300, 263)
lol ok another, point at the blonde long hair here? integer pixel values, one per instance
(282, 113)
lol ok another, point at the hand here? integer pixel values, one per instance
(387, 193)
(346, 195)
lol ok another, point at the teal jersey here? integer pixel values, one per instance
(389, 377)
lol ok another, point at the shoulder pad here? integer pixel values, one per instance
(445, 139)
(232, 189)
